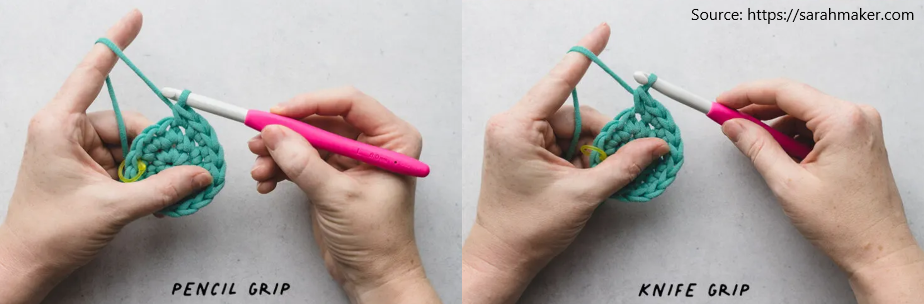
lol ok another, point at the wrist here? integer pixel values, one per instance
(24, 278)
(894, 278)
(493, 271)
(411, 286)
(395, 277)
(888, 241)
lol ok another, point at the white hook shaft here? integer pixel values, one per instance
(207, 104)
(676, 93)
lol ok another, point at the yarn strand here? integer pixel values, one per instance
(647, 118)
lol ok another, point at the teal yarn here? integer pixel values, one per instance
(647, 118)
(184, 139)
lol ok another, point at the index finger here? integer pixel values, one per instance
(550, 93)
(84, 84)
(796, 99)
(358, 109)
(381, 127)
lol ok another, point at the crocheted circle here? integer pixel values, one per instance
(648, 118)
(185, 139)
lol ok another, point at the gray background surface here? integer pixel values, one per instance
(446, 67)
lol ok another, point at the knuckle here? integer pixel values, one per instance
(412, 140)
(299, 168)
(350, 193)
(868, 109)
(415, 136)
(40, 124)
(632, 169)
(89, 68)
(496, 125)
(121, 216)
(754, 150)
(111, 206)
(353, 92)
(793, 86)
(872, 113)
(35, 124)
(787, 185)
(338, 191)
(782, 82)
(557, 80)
(855, 116)
(588, 193)
(166, 194)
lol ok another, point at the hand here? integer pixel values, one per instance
(842, 196)
(67, 204)
(362, 216)
(533, 202)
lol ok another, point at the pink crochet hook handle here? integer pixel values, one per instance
(320, 139)
(720, 113)
(382, 158)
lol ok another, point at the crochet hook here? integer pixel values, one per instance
(720, 113)
(379, 157)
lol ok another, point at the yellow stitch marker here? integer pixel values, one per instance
(586, 149)
(141, 168)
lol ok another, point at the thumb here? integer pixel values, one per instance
(299, 160)
(619, 169)
(166, 188)
(756, 143)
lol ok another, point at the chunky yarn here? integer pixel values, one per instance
(648, 118)
(184, 139)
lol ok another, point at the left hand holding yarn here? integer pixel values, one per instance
(68, 203)
(533, 202)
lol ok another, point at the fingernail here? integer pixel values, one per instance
(272, 135)
(277, 109)
(732, 129)
(202, 180)
(602, 24)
